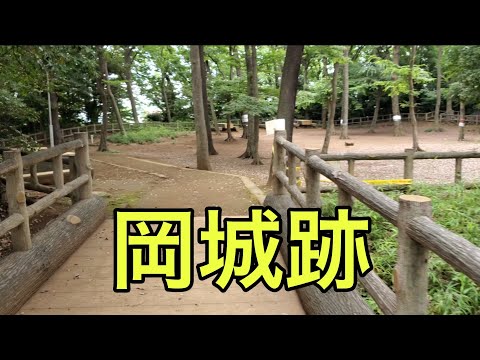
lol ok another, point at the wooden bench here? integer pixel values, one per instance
(223, 127)
(304, 123)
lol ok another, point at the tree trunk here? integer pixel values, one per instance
(288, 87)
(244, 129)
(114, 101)
(103, 98)
(256, 119)
(413, 118)
(326, 104)
(57, 130)
(333, 104)
(395, 100)
(116, 110)
(288, 93)
(305, 74)
(203, 162)
(229, 130)
(128, 77)
(165, 99)
(377, 110)
(92, 111)
(345, 93)
(324, 116)
(214, 117)
(248, 128)
(276, 74)
(439, 90)
(254, 122)
(461, 123)
(211, 148)
(237, 62)
(449, 110)
(229, 122)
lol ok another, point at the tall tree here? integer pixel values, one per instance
(163, 85)
(211, 148)
(129, 56)
(345, 94)
(395, 96)
(461, 123)
(232, 52)
(333, 105)
(116, 110)
(203, 162)
(102, 64)
(57, 130)
(288, 87)
(439, 89)
(378, 98)
(326, 104)
(254, 120)
(413, 118)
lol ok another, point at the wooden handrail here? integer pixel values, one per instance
(418, 233)
(19, 214)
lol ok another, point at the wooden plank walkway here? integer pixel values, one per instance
(83, 285)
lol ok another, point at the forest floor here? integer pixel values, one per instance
(133, 175)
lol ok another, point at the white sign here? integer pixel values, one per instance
(397, 118)
(245, 118)
(272, 125)
(341, 121)
(461, 124)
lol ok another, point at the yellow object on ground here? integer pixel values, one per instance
(383, 182)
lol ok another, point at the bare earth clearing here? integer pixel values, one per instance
(181, 152)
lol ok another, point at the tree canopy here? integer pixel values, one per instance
(153, 83)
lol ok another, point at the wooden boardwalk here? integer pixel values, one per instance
(83, 285)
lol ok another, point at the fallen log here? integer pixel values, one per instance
(22, 273)
(313, 300)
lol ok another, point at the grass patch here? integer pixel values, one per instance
(455, 208)
(145, 135)
(123, 201)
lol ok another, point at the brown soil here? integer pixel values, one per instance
(181, 152)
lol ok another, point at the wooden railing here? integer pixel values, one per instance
(79, 185)
(455, 117)
(417, 232)
(68, 133)
(408, 158)
(367, 120)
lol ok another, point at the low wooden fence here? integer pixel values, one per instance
(68, 134)
(455, 118)
(80, 185)
(367, 120)
(408, 158)
(417, 232)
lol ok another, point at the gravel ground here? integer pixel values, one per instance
(181, 152)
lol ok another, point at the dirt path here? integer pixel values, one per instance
(83, 284)
(181, 188)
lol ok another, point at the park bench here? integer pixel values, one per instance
(299, 123)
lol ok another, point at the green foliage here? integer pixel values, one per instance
(399, 86)
(15, 139)
(461, 70)
(250, 105)
(145, 135)
(455, 208)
